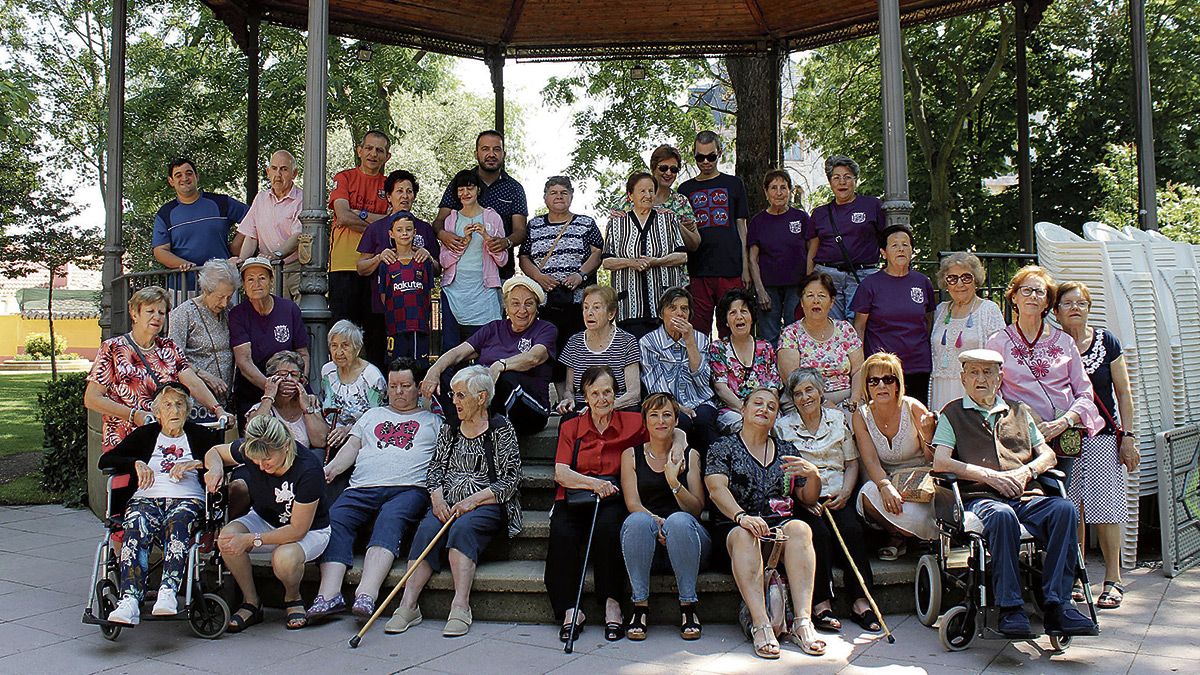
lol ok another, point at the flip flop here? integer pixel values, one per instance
(297, 618)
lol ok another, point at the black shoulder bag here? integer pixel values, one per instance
(583, 496)
(837, 237)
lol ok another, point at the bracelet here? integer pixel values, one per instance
(737, 517)
(268, 398)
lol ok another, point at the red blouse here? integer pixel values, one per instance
(599, 453)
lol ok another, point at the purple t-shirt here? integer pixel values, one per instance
(282, 329)
(781, 245)
(496, 340)
(718, 203)
(897, 307)
(859, 223)
(378, 238)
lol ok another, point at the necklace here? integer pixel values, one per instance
(829, 327)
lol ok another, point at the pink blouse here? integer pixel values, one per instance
(1048, 377)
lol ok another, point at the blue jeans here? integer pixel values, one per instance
(1052, 520)
(687, 547)
(396, 509)
(784, 300)
(846, 286)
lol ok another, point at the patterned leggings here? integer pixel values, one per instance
(151, 519)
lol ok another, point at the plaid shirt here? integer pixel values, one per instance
(404, 289)
(665, 368)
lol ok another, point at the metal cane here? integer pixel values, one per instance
(404, 579)
(587, 552)
(887, 632)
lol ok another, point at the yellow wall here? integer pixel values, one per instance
(82, 335)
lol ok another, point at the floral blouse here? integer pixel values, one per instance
(752, 485)
(742, 379)
(1048, 375)
(460, 468)
(368, 390)
(129, 379)
(831, 357)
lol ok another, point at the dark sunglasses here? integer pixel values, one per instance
(710, 157)
(889, 380)
(668, 168)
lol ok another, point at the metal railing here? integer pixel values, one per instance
(998, 267)
(180, 286)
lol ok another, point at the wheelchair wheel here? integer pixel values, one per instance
(209, 616)
(1060, 643)
(928, 590)
(106, 595)
(958, 628)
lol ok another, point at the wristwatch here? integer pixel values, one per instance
(363, 214)
(278, 255)
(257, 540)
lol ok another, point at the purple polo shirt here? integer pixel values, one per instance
(781, 245)
(282, 329)
(896, 323)
(378, 238)
(496, 340)
(859, 223)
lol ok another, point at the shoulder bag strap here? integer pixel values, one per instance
(575, 455)
(142, 357)
(489, 451)
(1008, 331)
(837, 236)
(561, 231)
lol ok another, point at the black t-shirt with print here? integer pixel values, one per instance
(272, 497)
(718, 203)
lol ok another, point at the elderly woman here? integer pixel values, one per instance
(963, 322)
(517, 351)
(352, 384)
(601, 343)
(757, 483)
(663, 484)
(130, 368)
(469, 278)
(646, 255)
(475, 477)
(161, 458)
(739, 363)
(1098, 478)
(675, 361)
(822, 436)
(200, 328)
(284, 398)
(893, 432)
(831, 346)
(843, 235)
(665, 164)
(893, 310)
(775, 239)
(588, 459)
(288, 522)
(561, 253)
(261, 326)
(388, 451)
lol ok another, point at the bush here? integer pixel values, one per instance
(65, 445)
(37, 345)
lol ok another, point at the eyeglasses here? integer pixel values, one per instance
(710, 157)
(843, 178)
(671, 168)
(1075, 304)
(956, 279)
(816, 296)
(1033, 291)
(287, 374)
(889, 380)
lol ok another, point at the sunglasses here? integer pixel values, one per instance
(889, 380)
(710, 157)
(956, 279)
(668, 168)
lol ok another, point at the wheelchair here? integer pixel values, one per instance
(203, 606)
(957, 574)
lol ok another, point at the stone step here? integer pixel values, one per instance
(537, 487)
(540, 447)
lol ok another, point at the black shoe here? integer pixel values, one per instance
(1066, 620)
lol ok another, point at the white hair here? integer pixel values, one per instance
(476, 379)
(349, 330)
(215, 272)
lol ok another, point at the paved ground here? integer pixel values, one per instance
(45, 558)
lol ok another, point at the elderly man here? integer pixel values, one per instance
(273, 222)
(996, 450)
(194, 227)
(675, 361)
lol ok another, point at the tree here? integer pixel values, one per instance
(1178, 203)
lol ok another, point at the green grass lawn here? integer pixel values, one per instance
(20, 430)
(26, 490)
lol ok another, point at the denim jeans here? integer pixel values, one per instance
(846, 286)
(687, 547)
(1052, 520)
(784, 300)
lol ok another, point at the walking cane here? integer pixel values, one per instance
(587, 552)
(391, 596)
(887, 632)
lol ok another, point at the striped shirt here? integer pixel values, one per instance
(460, 468)
(572, 249)
(665, 368)
(621, 351)
(638, 292)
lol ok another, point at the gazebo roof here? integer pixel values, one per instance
(589, 29)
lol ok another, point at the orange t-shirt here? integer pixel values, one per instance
(362, 192)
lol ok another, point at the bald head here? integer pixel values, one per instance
(281, 172)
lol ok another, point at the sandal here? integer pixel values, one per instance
(1077, 593)
(323, 607)
(691, 628)
(867, 620)
(564, 633)
(238, 623)
(297, 618)
(1111, 596)
(767, 647)
(635, 629)
(804, 636)
(614, 631)
(825, 621)
(893, 551)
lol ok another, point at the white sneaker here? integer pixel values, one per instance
(128, 612)
(166, 605)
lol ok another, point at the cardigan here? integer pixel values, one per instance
(139, 445)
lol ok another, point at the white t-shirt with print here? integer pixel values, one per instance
(167, 452)
(396, 447)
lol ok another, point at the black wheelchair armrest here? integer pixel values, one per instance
(946, 477)
(947, 500)
(1055, 481)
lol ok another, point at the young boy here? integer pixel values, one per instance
(404, 288)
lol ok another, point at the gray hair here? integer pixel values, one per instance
(966, 259)
(840, 160)
(705, 137)
(476, 379)
(283, 357)
(349, 330)
(215, 272)
(562, 181)
(801, 375)
(290, 156)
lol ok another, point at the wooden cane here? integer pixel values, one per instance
(404, 579)
(887, 632)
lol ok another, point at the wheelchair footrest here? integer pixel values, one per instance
(958, 558)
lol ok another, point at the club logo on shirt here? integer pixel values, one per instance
(795, 226)
(418, 241)
(858, 217)
(283, 333)
(524, 345)
(284, 494)
(917, 294)
(399, 435)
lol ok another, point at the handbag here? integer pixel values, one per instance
(775, 593)
(915, 484)
(583, 496)
(1068, 443)
(559, 297)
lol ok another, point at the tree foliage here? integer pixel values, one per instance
(1178, 203)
